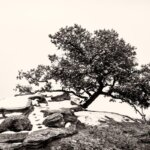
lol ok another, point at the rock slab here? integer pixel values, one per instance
(40, 138)
(12, 137)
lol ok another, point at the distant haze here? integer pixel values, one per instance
(25, 25)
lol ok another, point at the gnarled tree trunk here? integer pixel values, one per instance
(92, 98)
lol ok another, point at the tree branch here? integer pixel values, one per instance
(61, 90)
(80, 50)
(130, 103)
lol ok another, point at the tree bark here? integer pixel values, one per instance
(92, 98)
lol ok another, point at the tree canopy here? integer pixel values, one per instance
(92, 64)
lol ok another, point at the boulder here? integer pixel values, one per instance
(54, 120)
(16, 123)
(40, 138)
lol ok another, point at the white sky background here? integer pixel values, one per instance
(25, 25)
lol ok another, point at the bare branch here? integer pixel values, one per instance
(61, 90)
(130, 103)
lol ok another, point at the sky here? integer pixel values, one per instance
(26, 24)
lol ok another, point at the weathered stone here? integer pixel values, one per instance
(39, 138)
(54, 120)
(16, 123)
(12, 137)
(11, 146)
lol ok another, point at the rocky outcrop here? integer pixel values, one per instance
(63, 115)
(61, 118)
(35, 139)
(40, 138)
(16, 123)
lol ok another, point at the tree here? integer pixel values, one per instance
(90, 64)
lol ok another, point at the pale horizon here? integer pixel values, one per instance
(25, 26)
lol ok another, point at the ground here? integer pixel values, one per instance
(103, 130)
